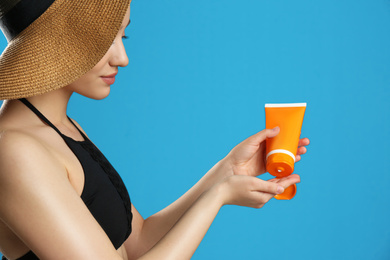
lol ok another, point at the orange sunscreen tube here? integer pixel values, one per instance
(281, 150)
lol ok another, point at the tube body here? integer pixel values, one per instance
(281, 150)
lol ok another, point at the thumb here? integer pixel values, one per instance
(287, 181)
(256, 139)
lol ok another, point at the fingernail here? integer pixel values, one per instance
(275, 129)
(280, 190)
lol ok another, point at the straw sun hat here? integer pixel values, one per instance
(51, 43)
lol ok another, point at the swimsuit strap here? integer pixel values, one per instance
(39, 114)
(81, 132)
(44, 119)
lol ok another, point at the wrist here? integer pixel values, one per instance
(218, 193)
(223, 169)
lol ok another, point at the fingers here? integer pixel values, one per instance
(256, 139)
(264, 191)
(286, 181)
(304, 141)
(261, 199)
(263, 196)
(253, 192)
(268, 187)
(302, 148)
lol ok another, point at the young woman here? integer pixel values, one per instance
(59, 196)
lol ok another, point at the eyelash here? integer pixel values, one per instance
(124, 37)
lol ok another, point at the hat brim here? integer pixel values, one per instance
(60, 46)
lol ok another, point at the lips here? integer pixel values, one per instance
(109, 79)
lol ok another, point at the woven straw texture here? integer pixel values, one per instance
(60, 46)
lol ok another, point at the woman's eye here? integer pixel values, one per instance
(125, 37)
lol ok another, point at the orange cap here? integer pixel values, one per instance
(288, 193)
(280, 165)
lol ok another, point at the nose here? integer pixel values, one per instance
(119, 57)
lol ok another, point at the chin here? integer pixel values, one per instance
(97, 95)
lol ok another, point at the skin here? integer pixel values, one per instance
(41, 181)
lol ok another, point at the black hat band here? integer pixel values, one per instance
(21, 16)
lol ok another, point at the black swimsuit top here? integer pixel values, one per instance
(104, 192)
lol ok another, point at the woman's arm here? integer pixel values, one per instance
(183, 239)
(247, 158)
(41, 207)
(146, 233)
(38, 203)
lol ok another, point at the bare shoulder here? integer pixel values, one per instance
(13, 139)
(19, 150)
(25, 162)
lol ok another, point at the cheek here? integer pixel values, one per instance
(89, 81)
(88, 78)
(80, 84)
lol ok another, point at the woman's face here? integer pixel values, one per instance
(96, 83)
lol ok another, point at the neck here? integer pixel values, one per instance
(52, 104)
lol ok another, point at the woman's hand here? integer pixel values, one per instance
(248, 157)
(253, 192)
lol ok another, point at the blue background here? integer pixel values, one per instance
(200, 73)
